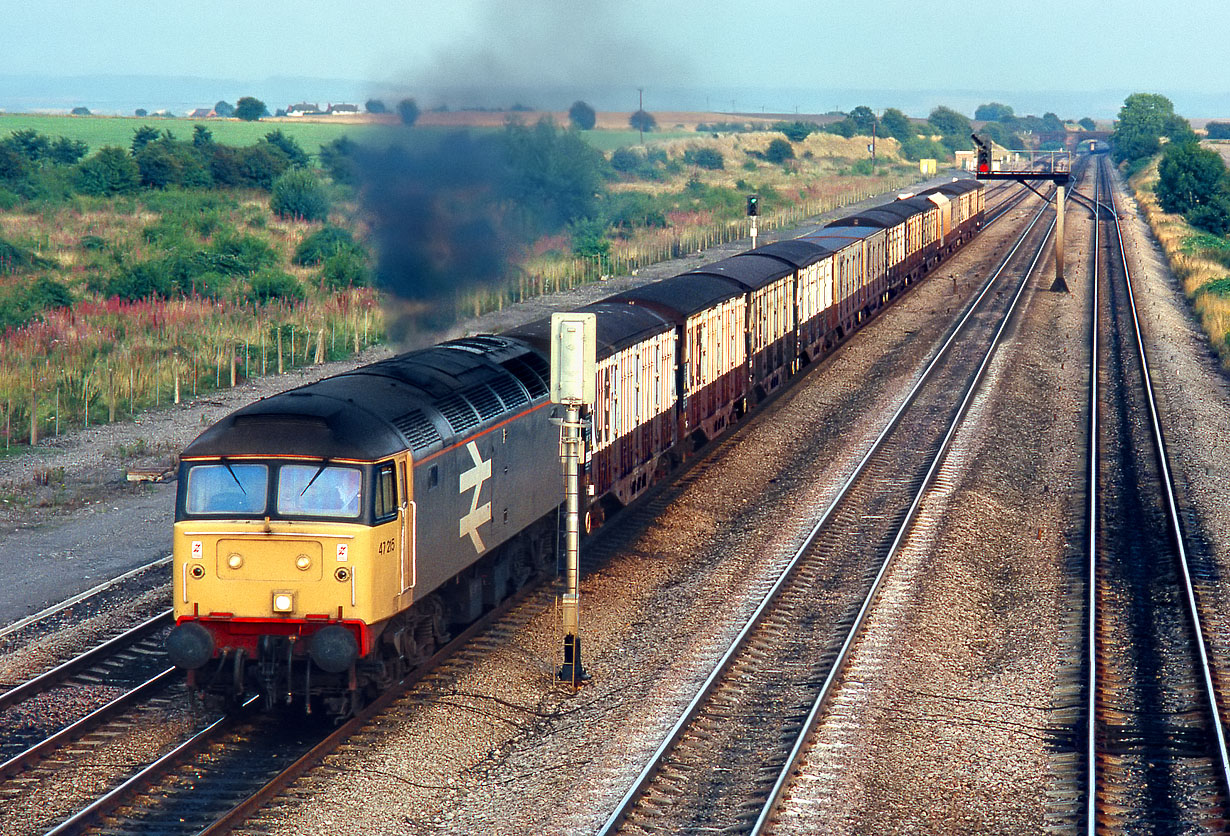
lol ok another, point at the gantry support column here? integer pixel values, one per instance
(1059, 286)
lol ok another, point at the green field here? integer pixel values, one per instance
(98, 131)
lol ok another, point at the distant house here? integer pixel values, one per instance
(303, 109)
(203, 113)
(342, 108)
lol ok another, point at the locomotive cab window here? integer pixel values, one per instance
(227, 489)
(386, 493)
(319, 490)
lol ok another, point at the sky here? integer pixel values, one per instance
(721, 54)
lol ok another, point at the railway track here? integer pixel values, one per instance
(1154, 739)
(724, 764)
(210, 758)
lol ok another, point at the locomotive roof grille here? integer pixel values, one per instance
(509, 392)
(418, 429)
(459, 413)
(532, 371)
(484, 401)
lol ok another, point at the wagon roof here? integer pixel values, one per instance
(872, 217)
(619, 325)
(751, 270)
(795, 251)
(958, 186)
(679, 297)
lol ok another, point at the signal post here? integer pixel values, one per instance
(986, 171)
(573, 363)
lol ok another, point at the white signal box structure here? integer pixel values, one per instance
(574, 353)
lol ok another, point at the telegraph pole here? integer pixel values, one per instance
(640, 109)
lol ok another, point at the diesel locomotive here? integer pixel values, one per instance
(329, 538)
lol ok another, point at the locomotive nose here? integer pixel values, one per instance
(189, 646)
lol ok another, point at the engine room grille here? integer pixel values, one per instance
(510, 393)
(532, 371)
(418, 429)
(484, 401)
(458, 412)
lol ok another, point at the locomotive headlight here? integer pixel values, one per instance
(197, 571)
(283, 602)
(234, 561)
(303, 563)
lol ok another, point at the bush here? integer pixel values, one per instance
(324, 243)
(626, 160)
(1213, 217)
(272, 285)
(779, 151)
(863, 168)
(15, 259)
(345, 269)
(47, 293)
(627, 210)
(246, 254)
(708, 158)
(589, 238)
(295, 154)
(140, 281)
(298, 194)
(108, 172)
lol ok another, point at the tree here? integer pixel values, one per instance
(1053, 123)
(779, 151)
(142, 112)
(1143, 120)
(1218, 130)
(862, 118)
(553, 176)
(65, 151)
(375, 106)
(642, 121)
(582, 116)
(287, 145)
(202, 137)
(408, 110)
(1189, 176)
(338, 158)
(993, 112)
(947, 121)
(299, 195)
(224, 109)
(795, 131)
(143, 136)
(896, 124)
(1088, 124)
(110, 171)
(250, 109)
(80, 111)
(29, 143)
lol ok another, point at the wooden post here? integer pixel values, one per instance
(280, 368)
(33, 410)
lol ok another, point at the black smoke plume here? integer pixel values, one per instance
(439, 227)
